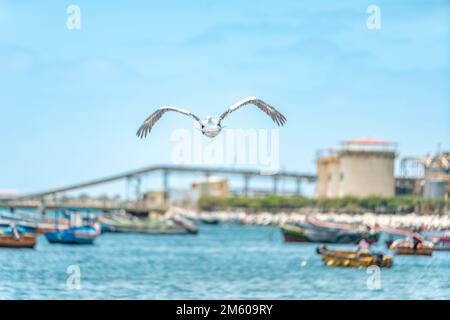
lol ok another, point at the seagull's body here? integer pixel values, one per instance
(211, 126)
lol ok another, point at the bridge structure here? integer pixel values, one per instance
(52, 198)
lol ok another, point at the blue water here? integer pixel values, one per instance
(221, 262)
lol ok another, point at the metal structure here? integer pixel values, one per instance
(426, 175)
(49, 198)
(412, 167)
(167, 170)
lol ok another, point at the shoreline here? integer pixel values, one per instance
(264, 218)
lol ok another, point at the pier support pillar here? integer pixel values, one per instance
(299, 188)
(206, 174)
(246, 184)
(138, 187)
(42, 204)
(166, 186)
(127, 188)
(275, 185)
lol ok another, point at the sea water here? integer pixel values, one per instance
(221, 262)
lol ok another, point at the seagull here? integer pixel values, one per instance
(211, 126)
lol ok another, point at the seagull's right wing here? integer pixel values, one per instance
(148, 124)
(276, 116)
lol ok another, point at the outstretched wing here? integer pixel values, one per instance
(276, 116)
(148, 124)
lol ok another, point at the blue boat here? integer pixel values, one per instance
(75, 235)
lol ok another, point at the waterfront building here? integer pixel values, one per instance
(359, 168)
(212, 186)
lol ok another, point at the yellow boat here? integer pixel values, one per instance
(351, 259)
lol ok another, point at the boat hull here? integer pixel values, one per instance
(293, 233)
(311, 233)
(80, 235)
(412, 251)
(211, 221)
(178, 226)
(25, 241)
(53, 237)
(350, 259)
(406, 247)
(152, 231)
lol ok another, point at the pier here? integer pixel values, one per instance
(53, 198)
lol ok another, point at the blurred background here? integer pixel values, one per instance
(364, 155)
(72, 99)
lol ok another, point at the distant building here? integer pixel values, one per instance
(155, 198)
(7, 194)
(359, 168)
(213, 186)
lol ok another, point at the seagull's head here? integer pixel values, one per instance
(211, 127)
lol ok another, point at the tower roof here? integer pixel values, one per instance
(368, 141)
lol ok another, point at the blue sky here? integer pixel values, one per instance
(71, 100)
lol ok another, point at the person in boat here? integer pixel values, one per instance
(416, 242)
(14, 231)
(363, 246)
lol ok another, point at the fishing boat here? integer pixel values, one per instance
(313, 230)
(75, 235)
(152, 226)
(351, 259)
(209, 220)
(331, 232)
(397, 234)
(16, 237)
(407, 247)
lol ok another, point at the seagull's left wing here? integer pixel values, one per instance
(276, 116)
(148, 124)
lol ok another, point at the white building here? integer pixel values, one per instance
(359, 168)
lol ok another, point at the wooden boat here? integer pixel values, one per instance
(75, 235)
(293, 233)
(398, 234)
(127, 224)
(16, 237)
(330, 232)
(406, 247)
(351, 259)
(314, 230)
